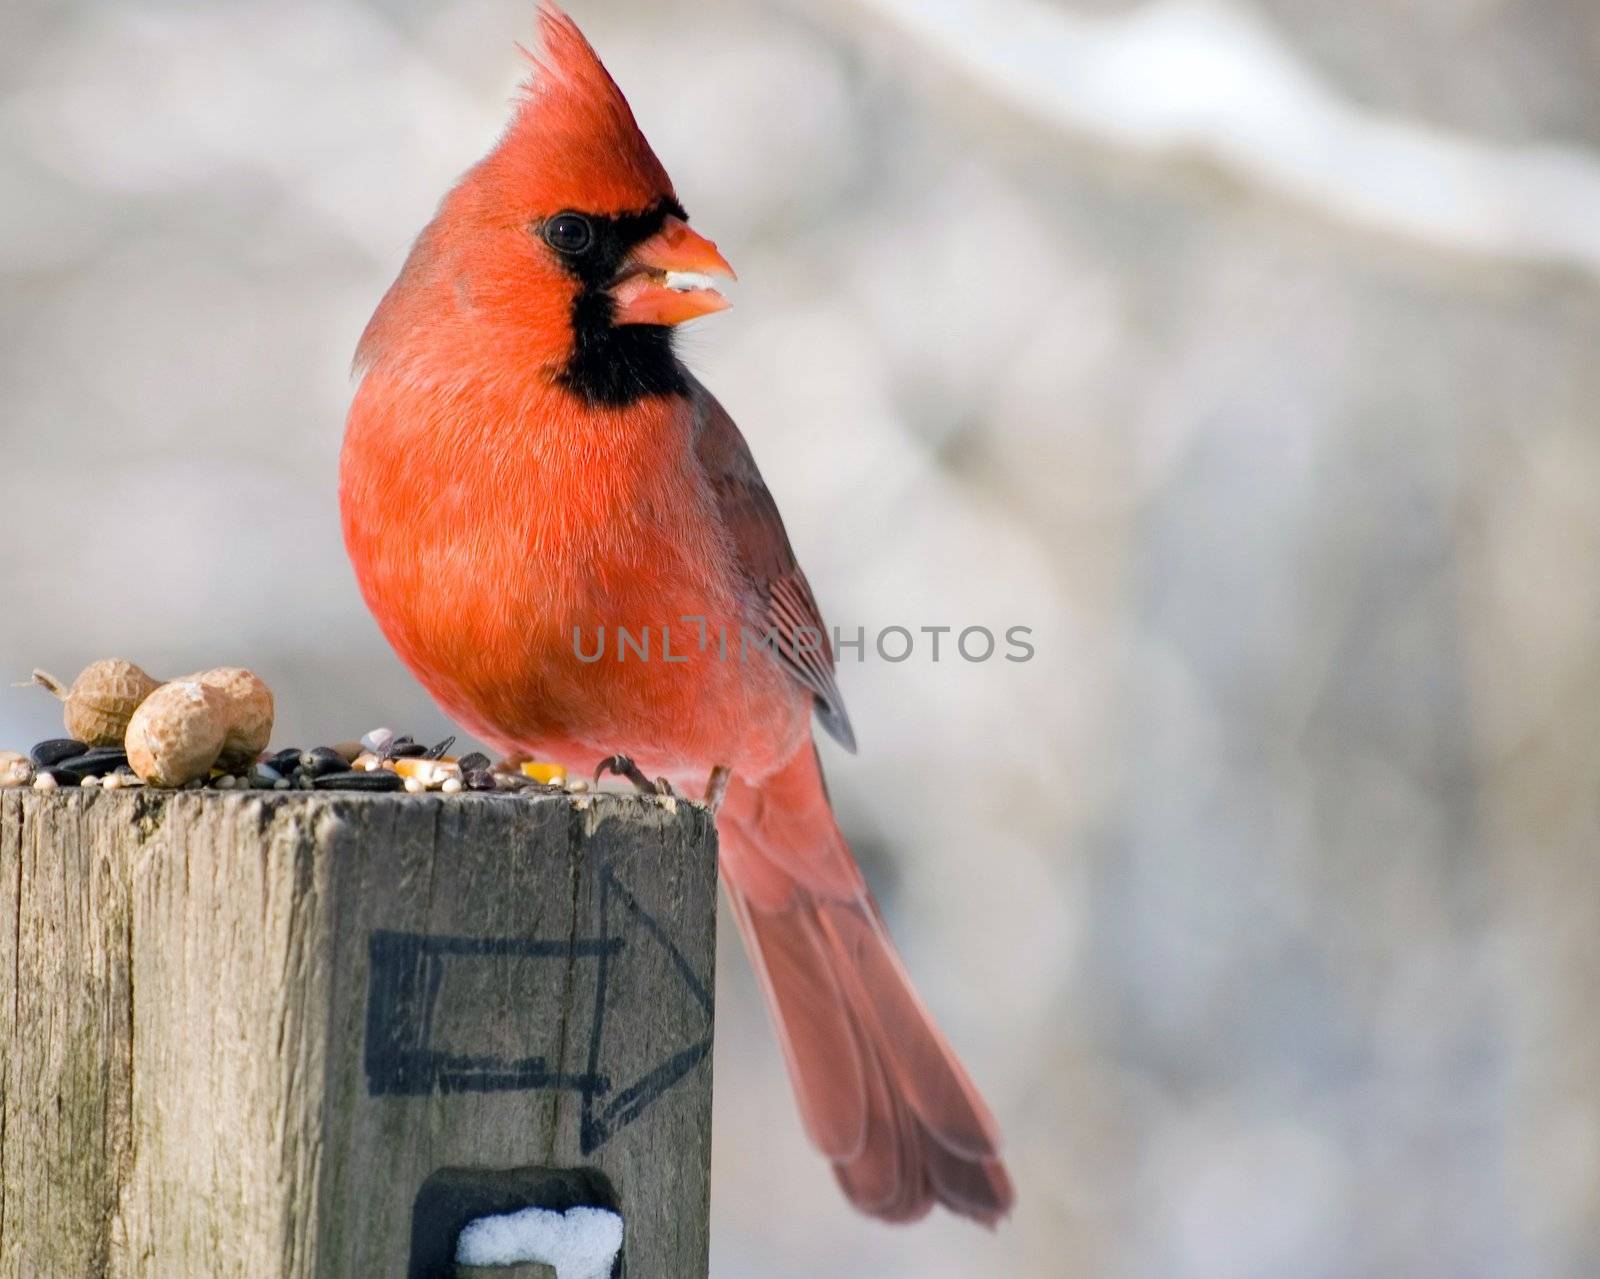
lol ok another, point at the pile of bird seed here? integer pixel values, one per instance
(379, 761)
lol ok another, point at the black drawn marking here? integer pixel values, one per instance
(592, 1134)
(403, 994)
(407, 973)
(696, 987)
(626, 1106)
(596, 1127)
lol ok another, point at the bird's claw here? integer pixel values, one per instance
(717, 787)
(622, 766)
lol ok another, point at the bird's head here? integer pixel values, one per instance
(566, 245)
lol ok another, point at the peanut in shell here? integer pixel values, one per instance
(250, 713)
(178, 732)
(101, 701)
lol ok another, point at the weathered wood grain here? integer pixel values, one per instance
(243, 1032)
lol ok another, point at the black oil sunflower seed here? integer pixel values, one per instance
(477, 762)
(100, 753)
(381, 780)
(479, 779)
(95, 763)
(285, 761)
(56, 749)
(442, 749)
(323, 760)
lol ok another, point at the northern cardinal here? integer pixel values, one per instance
(526, 460)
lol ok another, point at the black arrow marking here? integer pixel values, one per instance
(403, 992)
(407, 971)
(597, 1128)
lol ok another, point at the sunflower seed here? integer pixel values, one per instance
(93, 763)
(323, 760)
(56, 749)
(382, 780)
(378, 740)
(115, 756)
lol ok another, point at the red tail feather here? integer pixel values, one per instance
(880, 1091)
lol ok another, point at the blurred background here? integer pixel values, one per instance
(1245, 350)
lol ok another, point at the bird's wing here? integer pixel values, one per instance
(789, 610)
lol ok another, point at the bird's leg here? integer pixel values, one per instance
(622, 766)
(717, 786)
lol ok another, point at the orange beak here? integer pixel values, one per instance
(666, 279)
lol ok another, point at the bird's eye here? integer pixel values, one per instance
(569, 233)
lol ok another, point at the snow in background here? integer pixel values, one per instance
(1245, 351)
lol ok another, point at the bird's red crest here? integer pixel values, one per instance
(574, 142)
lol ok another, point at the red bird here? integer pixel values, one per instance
(526, 460)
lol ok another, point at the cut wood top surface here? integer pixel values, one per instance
(611, 803)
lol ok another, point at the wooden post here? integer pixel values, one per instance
(297, 1034)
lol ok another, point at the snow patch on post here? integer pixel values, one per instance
(581, 1243)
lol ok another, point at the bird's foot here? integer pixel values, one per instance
(717, 787)
(622, 766)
